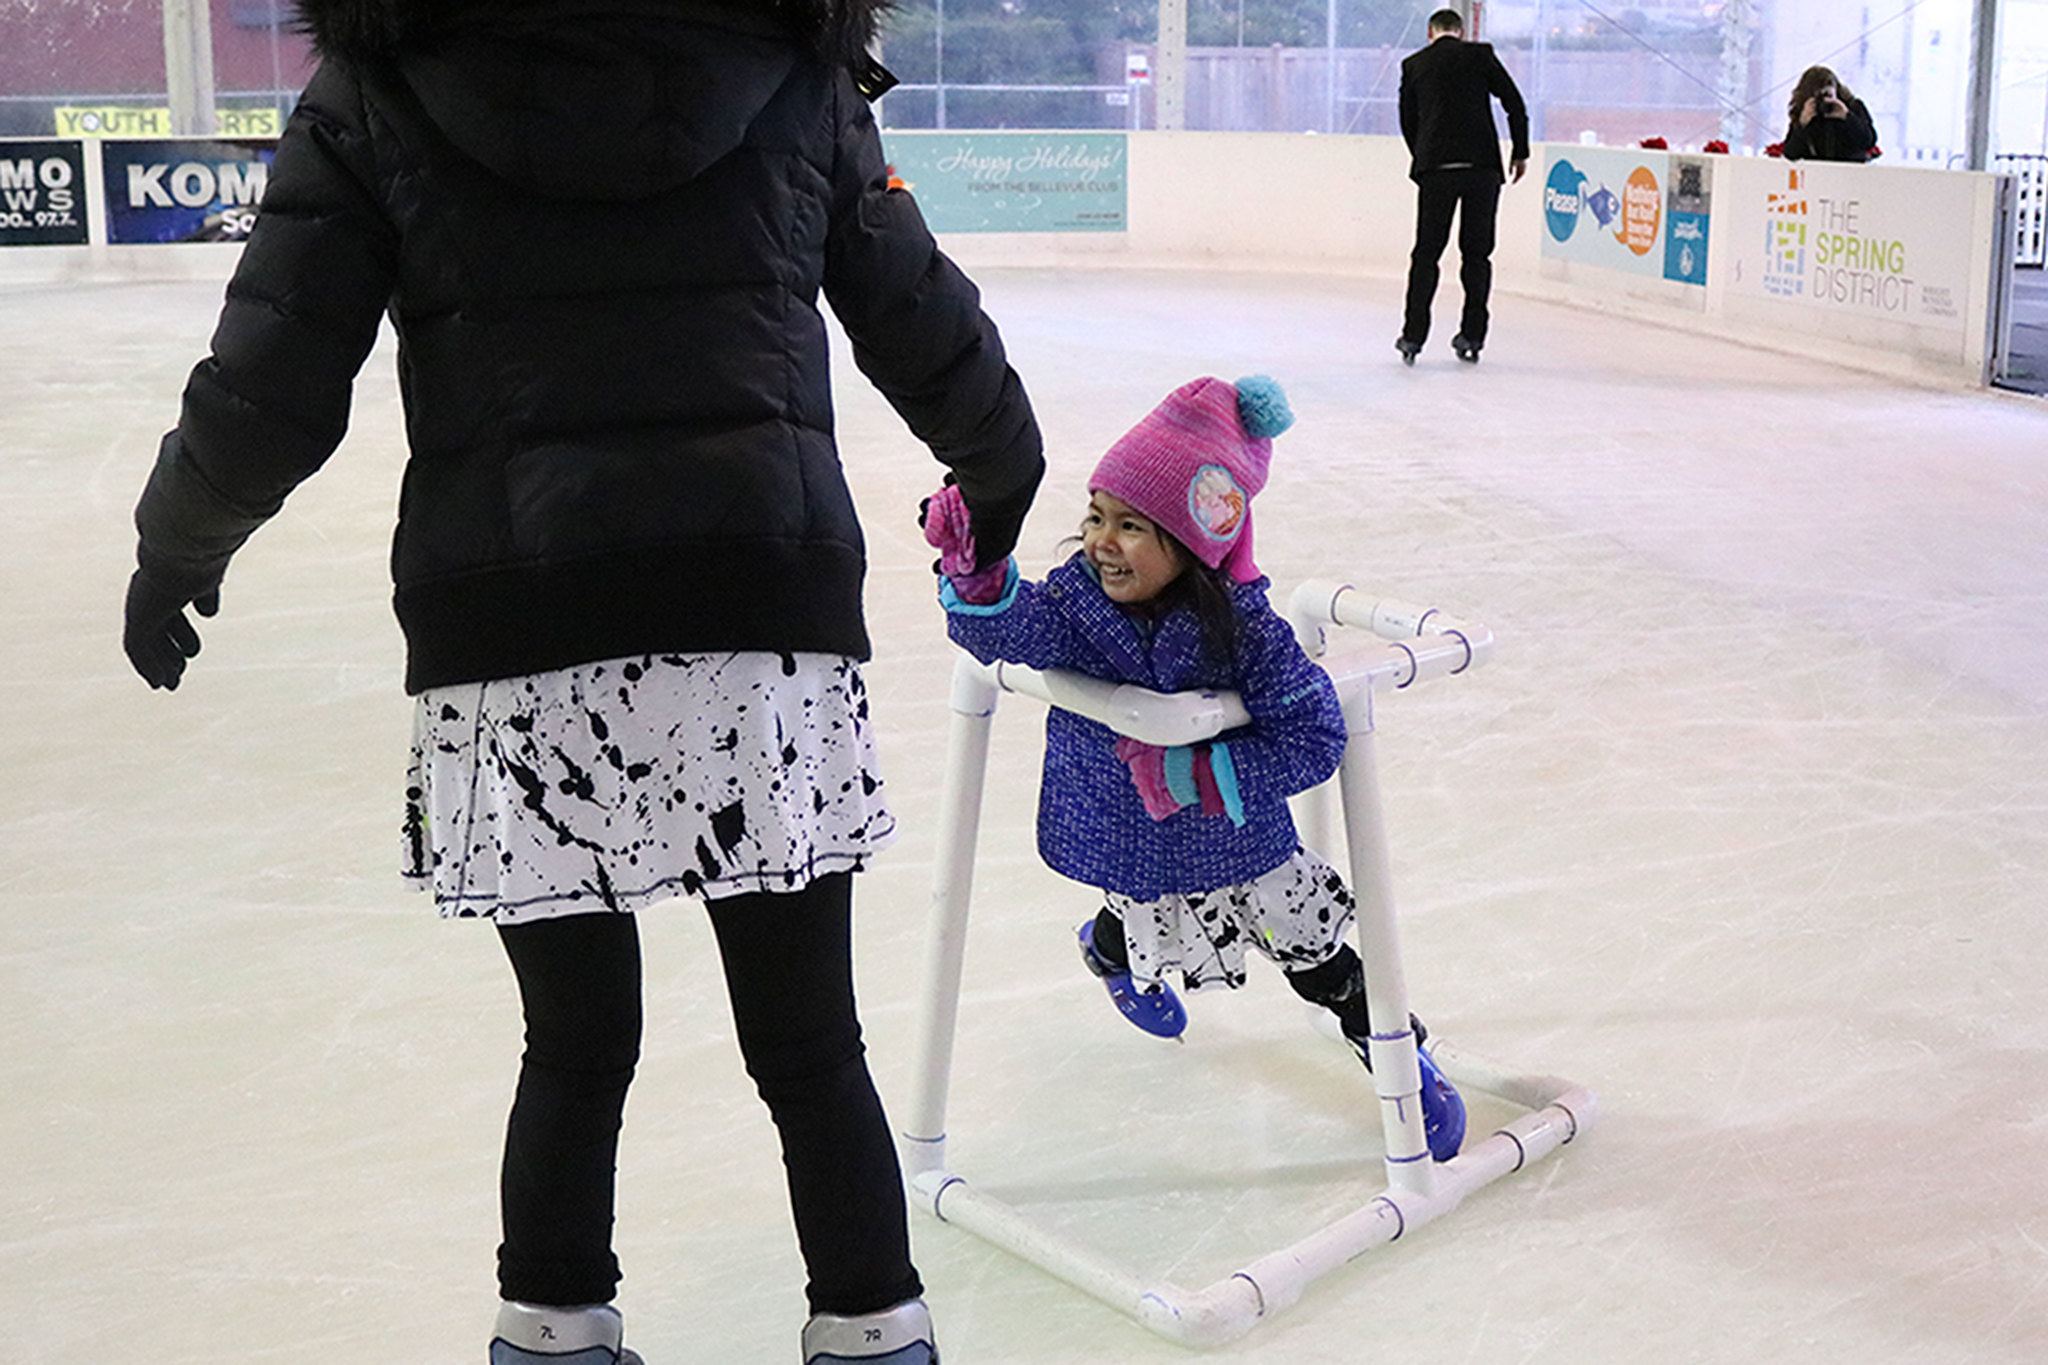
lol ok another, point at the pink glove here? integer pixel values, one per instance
(949, 529)
(1147, 763)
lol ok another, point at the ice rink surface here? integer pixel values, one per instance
(1746, 828)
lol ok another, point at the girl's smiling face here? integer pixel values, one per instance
(1131, 556)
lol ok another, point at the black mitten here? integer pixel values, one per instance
(156, 634)
(997, 525)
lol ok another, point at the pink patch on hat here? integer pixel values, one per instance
(1216, 503)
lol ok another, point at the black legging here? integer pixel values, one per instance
(1474, 195)
(789, 973)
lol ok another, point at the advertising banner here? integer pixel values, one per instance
(1642, 212)
(185, 190)
(1014, 182)
(131, 120)
(1688, 213)
(42, 193)
(1850, 239)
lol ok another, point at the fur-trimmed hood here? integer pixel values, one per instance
(837, 30)
(590, 99)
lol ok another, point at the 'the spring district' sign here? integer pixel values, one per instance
(1014, 182)
(1852, 239)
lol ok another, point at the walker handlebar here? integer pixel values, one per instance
(1324, 602)
(1162, 718)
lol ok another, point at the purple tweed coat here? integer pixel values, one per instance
(1091, 824)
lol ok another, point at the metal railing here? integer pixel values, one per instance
(1123, 96)
(2030, 172)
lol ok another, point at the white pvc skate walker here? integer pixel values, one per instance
(1414, 644)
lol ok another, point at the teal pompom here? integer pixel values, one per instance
(1262, 407)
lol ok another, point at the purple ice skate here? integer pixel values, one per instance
(1443, 1108)
(1157, 1011)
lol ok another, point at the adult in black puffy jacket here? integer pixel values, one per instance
(1828, 123)
(628, 568)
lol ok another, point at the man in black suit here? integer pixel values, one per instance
(1447, 118)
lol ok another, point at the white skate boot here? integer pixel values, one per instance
(534, 1334)
(895, 1336)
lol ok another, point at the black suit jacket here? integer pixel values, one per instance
(1446, 107)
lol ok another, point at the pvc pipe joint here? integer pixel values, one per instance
(974, 692)
(1323, 601)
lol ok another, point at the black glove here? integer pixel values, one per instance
(996, 525)
(157, 637)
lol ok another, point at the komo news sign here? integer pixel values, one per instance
(42, 193)
(184, 190)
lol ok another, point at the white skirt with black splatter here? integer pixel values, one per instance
(609, 786)
(1296, 915)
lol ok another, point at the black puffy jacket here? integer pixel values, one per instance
(600, 228)
(1852, 137)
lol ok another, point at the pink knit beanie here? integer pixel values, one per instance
(1194, 463)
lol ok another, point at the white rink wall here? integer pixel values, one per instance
(1344, 206)
(1267, 201)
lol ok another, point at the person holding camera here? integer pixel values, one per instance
(1828, 123)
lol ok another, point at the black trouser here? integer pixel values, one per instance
(1474, 195)
(1337, 983)
(789, 972)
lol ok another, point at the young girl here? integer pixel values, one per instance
(1193, 845)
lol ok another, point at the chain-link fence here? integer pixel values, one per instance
(95, 68)
(1612, 71)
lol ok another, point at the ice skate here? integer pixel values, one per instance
(1157, 1011)
(1443, 1108)
(1408, 349)
(895, 1336)
(534, 1334)
(1465, 350)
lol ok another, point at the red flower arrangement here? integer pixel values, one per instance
(1775, 149)
(1716, 146)
(1875, 153)
(1655, 144)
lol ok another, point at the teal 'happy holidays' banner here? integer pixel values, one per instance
(1014, 182)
